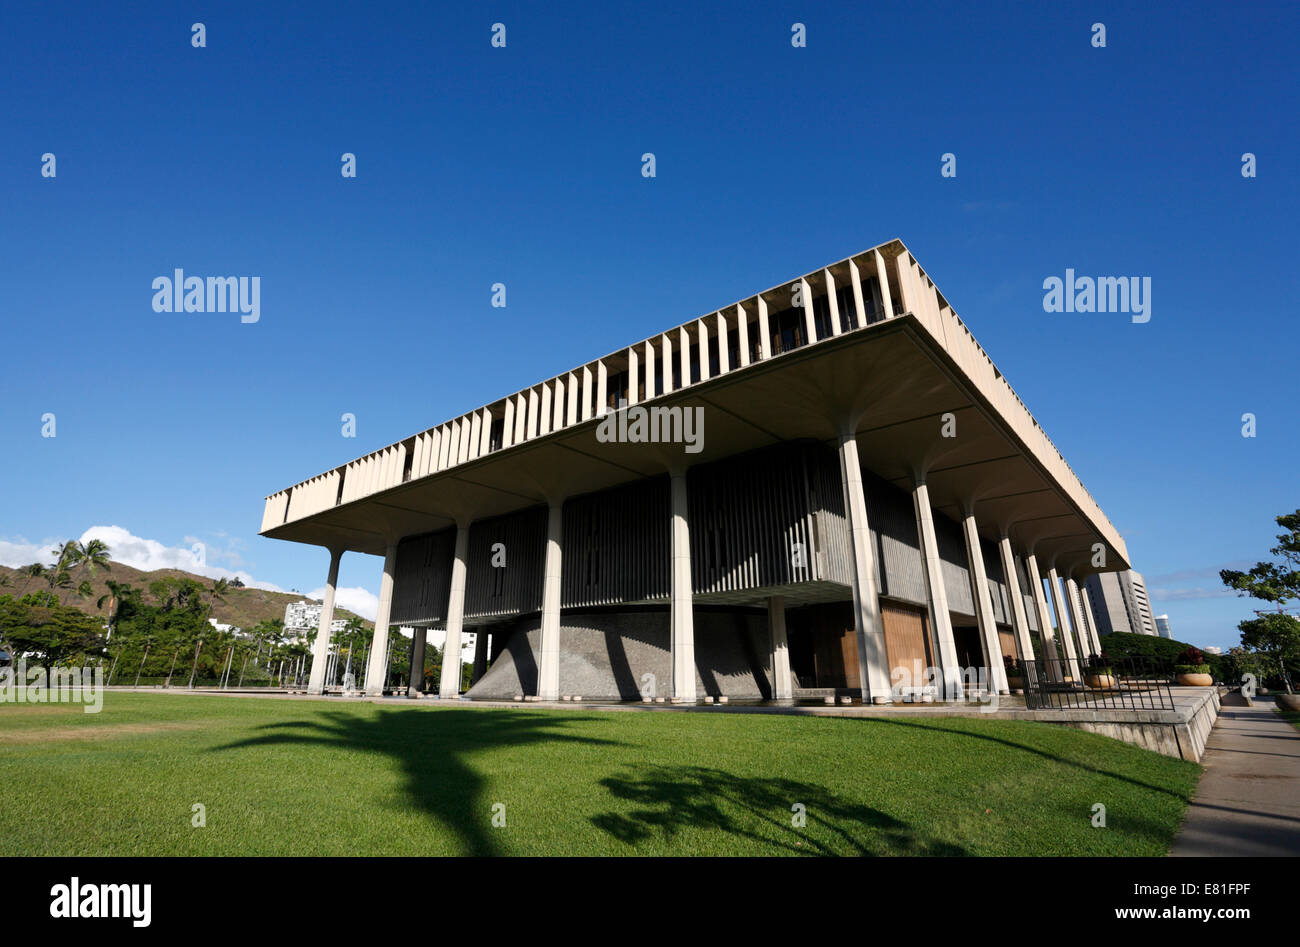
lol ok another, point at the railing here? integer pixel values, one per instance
(1070, 684)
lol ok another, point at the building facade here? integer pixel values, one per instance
(305, 616)
(1119, 600)
(827, 488)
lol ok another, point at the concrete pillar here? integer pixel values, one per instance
(873, 660)
(1063, 623)
(480, 655)
(833, 301)
(724, 350)
(764, 334)
(1012, 580)
(449, 685)
(415, 687)
(859, 304)
(377, 668)
(809, 318)
(742, 334)
(683, 619)
(1076, 616)
(1051, 657)
(548, 667)
(984, 605)
(936, 593)
(321, 650)
(633, 376)
(1092, 620)
(782, 688)
(882, 277)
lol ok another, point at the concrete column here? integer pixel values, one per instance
(602, 389)
(480, 655)
(321, 650)
(873, 661)
(1012, 580)
(882, 277)
(683, 619)
(764, 333)
(833, 301)
(859, 304)
(548, 667)
(1076, 616)
(724, 351)
(809, 319)
(936, 593)
(742, 334)
(666, 360)
(1092, 620)
(782, 689)
(649, 370)
(984, 605)
(415, 686)
(449, 685)
(684, 355)
(377, 667)
(633, 376)
(508, 425)
(1051, 657)
(1062, 622)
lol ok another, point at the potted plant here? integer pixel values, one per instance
(1100, 671)
(1015, 673)
(1192, 670)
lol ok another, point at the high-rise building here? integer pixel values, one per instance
(800, 492)
(1119, 600)
(1162, 627)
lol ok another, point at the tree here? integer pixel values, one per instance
(1275, 635)
(116, 591)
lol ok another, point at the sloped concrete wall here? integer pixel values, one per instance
(606, 655)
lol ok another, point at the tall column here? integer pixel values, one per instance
(781, 686)
(1051, 657)
(548, 667)
(1012, 579)
(1076, 616)
(984, 605)
(377, 667)
(449, 684)
(936, 592)
(321, 650)
(1092, 620)
(873, 659)
(480, 655)
(683, 618)
(1063, 622)
(416, 685)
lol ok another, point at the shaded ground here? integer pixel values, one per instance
(1248, 801)
(322, 777)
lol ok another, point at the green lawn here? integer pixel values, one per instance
(328, 778)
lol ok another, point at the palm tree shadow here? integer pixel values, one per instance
(676, 798)
(434, 749)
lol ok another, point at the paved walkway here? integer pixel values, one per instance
(1248, 800)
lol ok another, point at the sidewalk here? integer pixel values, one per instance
(1248, 801)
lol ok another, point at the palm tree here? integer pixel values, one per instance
(116, 591)
(34, 571)
(218, 589)
(90, 556)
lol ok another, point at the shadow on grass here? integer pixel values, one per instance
(698, 797)
(433, 748)
(932, 727)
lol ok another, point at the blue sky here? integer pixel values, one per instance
(522, 165)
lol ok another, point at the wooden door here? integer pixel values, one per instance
(906, 640)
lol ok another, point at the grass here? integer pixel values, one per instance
(281, 777)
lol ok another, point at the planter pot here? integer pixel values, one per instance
(1195, 680)
(1288, 701)
(1016, 683)
(1101, 680)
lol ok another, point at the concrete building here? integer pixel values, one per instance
(1119, 600)
(1163, 628)
(824, 488)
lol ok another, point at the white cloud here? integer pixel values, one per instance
(20, 552)
(355, 599)
(137, 552)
